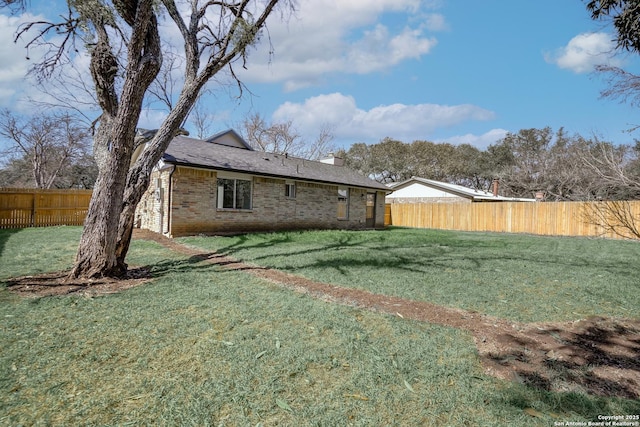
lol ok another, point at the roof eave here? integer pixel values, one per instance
(208, 167)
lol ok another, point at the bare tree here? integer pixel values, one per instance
(68, 89)
(613, 165)
(621, 85)
(51, 143)
(617, 170)
(164, 87)
(202, 119)
(614, 216)
(13, 5)
(215, 34)
(283, 138)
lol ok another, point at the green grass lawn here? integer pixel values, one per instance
(203, 346)
(519, 277)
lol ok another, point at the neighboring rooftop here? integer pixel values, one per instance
(458, 190)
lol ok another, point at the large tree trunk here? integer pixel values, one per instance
(139, 175)
(109, 225)
(96, 252)
(125, 234)
(114, 141)
(96, 255)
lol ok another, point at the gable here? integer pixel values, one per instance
(229, 138)
(421, 187)
(419, 190)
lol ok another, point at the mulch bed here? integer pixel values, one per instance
(599, 356)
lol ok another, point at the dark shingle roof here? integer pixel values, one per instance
(197, 153)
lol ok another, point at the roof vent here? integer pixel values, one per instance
(333, 160)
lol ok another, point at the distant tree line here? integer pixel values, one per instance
(46, 150)
(563, 167)
(52, 150)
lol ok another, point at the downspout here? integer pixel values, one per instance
(169, 210)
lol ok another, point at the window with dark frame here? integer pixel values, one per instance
(290, 190)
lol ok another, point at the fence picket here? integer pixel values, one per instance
(31, 207)
(548, 218)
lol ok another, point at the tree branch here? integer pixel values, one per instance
(55, 51)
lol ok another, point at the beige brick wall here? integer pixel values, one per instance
(193, 200)
(194, 206)
(151, 212)
(193, 193)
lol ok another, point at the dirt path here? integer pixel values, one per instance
(599, 356)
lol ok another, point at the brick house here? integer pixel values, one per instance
(222, 185)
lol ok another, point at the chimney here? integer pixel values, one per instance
(333, 160)
(494, 186)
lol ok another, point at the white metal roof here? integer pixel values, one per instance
(454, 189)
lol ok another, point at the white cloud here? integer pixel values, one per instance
(436, 22)
(378, 50)
(15, 64)
(479, 141)
(585, 51)
(337, 36)
(348, 122)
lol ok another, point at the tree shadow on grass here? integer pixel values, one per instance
(569, 368)
(554, 405)
(206, 262)
(348, 264)
(343, 262)
(5, 235)
(424, 252)
(597, 356)
(242, 239)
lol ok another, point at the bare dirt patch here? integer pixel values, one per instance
(599, 356)
(59, 283)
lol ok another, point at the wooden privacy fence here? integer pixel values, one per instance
(33, 207)
(542, 218)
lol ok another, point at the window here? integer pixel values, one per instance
(343, 203)
(234, 193)
(290, 190)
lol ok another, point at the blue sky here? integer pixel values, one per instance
(444, 71)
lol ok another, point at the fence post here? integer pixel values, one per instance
(33, 208)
